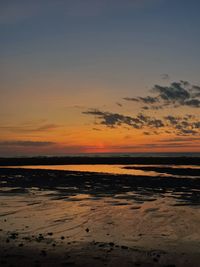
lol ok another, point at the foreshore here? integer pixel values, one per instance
(73, 218)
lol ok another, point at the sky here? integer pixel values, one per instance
(89, 76)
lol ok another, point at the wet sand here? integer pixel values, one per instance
(68, 218)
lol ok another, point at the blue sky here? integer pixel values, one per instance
(144, 40)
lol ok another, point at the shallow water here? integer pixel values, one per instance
(48, 208)
(130, 219)
(124, 211)
(103, 168)
(112, 169)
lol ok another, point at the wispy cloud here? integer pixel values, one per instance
(145, 100)
(156, 145)
(113, 120)
(29, 128)
(26, 143)
(165, 76)
(185, 125)
(180, 139)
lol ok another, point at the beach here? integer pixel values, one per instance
(81, 215)
(99, 133)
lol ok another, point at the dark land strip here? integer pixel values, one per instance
(99, 160)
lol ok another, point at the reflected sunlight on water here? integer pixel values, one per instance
(143, 221)
(144, 210)
(103, 168)
(140, 170)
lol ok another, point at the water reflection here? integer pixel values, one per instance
(103, 168)
(148, 212)
(148, 170)
(65, 184)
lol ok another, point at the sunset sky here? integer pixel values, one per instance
(88, 76)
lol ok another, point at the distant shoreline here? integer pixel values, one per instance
(69, 160)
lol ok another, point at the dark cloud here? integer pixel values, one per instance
(26, 143)
(196, 90)
(172, 94)
(146, 133)
(181, 126)
(156, 123)
(131, 99)
(157, 107)
(172, 120)
(149, 121)
(113, 120)
(195, 103)
(197, 125)
(96, 129)
(119, 104)
(187, 132)
(177, 94)
(145, 100)
(149, 100)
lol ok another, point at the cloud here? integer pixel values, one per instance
(160, 146)
(172, 120)
(195, 91)
(29, 128)
(149, 100)
(26, 143)
(181, 126)
(180, 139)
(47, 127)
(145, 100)
(131, 99)
(119, 104)
(157, 107)
(195, 103)
(169, 145)
(165, 76)
(114, 120)
(96, 129)
(197, 125)
(177, 94)
(174, 93)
